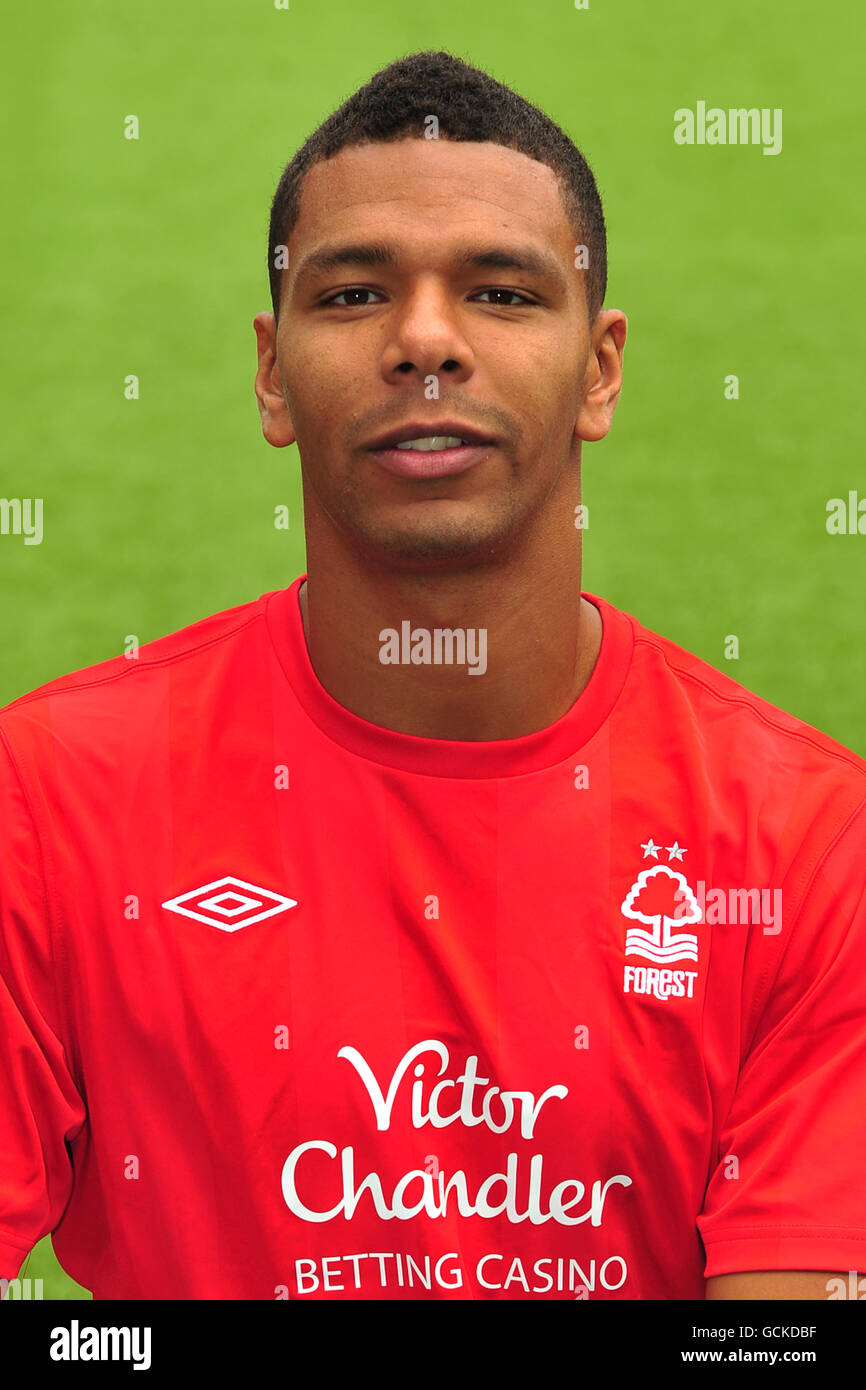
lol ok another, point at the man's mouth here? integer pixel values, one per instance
(431, 456)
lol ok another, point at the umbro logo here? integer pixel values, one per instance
(229, 903)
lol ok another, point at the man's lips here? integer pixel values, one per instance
(431, 463)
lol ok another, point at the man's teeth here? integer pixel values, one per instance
(436, 441)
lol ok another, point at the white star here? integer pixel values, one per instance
(674, 851)
(650, 848)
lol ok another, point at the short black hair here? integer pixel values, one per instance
(469, 105)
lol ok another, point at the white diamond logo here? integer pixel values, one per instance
(230, 910)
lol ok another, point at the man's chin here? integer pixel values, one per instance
(442, 547)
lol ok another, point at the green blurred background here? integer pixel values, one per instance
(706, 515)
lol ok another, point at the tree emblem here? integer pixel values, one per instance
(662, 898)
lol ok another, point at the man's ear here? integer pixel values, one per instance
(603, 378)
(276, 421)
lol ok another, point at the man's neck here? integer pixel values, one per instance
(542, 641)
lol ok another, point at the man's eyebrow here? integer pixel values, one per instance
(362, 254)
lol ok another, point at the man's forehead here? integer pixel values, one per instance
(471, 176)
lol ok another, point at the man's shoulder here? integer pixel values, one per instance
(125, 683)
(732, 721)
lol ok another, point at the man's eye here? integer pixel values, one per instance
(522, 297)
(354, 289)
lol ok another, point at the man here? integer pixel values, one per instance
(430, 928)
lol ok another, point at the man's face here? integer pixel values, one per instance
(363, 348)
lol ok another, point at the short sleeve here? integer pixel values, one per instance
(40, 1107)
(788, 1191)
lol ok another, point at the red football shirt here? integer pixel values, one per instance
(295, 1005)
